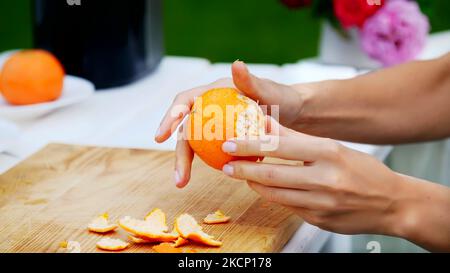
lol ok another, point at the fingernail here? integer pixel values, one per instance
(229, 147)
(228, 170)
(177, 177)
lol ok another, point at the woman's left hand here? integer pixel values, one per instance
(337, 189)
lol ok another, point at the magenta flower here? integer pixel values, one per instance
(396, 33)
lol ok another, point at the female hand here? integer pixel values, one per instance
(262, 90)
(337, 189)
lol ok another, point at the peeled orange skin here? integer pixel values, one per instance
(166, 248)
(30, 77)
(210, 150)
(101, 224)
(189, 229)
(217, 217)
(111, 244)
(148, 231)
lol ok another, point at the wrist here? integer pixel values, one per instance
(404, 218)
(417, 201)
(423, 215)
(316, 100)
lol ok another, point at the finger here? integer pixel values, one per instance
(175, 114)
(290, 148)
(292, 197)
(286, 144)
(253, 87)
(273, 127)
(243, 80)
(183, 160)
(302, 212)
(273, 175)
(181, 106)
(308, 215)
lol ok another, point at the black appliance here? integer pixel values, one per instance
(110, 43)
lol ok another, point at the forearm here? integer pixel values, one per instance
(407, 103)
(422, 214)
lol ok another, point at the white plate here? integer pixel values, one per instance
(74, 91)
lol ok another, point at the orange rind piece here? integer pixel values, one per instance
(138, 240)
(180, 241)
(217, 217)
(147, 230)
(157, 216)
(101, 224)
(189, 229)
(111, 244)
(70, 246)
(166, 248)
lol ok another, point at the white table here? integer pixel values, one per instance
(128, 117)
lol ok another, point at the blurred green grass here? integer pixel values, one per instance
(259, 31)
(15, 24)
(251, 30)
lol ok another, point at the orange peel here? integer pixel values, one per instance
(111, 244)
(166, 248)
(180, 241)
(157, 216)
(70, 246)
(217, 217)
(147, 230)
(138, 240)
(189, 229)
(101, 224)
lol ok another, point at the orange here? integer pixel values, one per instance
(218, 115)
(31, 76)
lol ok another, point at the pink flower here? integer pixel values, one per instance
(396, 33)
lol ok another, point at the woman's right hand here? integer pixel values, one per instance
(266, 92)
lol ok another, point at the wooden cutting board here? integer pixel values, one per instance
(54, 194)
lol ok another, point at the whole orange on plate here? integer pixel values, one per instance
(218, 115)
(31, 76)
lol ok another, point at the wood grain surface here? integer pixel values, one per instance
(54, 194)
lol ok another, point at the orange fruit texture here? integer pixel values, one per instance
(30, 77)
(220, 114)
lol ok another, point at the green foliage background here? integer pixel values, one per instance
(261, 31)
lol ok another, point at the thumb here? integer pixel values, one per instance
(245, 81)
